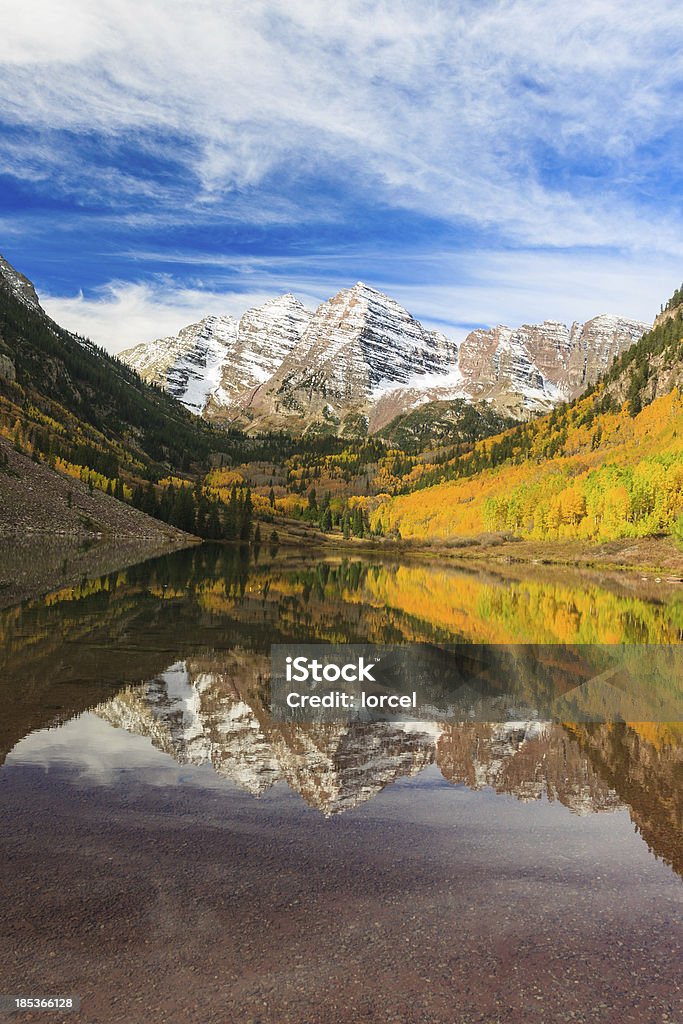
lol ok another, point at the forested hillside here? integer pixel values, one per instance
(88, 404)
(83, 413)
(440, 423)
(580, 473)
(608, 465)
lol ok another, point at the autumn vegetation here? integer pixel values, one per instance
(607, 466)
(610, 475)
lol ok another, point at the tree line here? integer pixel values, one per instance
(189, 508)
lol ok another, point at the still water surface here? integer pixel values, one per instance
(171, 852)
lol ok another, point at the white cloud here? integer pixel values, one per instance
(538, 126)
(124, 313)
(484, 288)
(528, 287)
(449, 109)
(95, 753)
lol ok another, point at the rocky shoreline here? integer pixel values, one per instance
(38, 565)
(54, 531)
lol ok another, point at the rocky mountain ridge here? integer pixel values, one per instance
(546, 363)
(360, 359)
(19, 285)
(208, 365)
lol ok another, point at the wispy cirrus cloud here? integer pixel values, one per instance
(529, 288)
(123, 313)
(286, 126)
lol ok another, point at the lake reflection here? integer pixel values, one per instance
(141, 699)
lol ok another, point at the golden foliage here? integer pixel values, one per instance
(630, 484)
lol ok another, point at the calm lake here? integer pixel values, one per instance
(172, 852)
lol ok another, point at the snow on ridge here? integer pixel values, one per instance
(219, 357)
(450, 378)
(613, 319)
(362, 347)
(20, 286)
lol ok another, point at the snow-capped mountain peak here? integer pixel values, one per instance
(207, 364)
(360, 357)
(188, 365)
(356, 345)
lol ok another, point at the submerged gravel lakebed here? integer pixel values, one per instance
(173, 851)
(161, 892)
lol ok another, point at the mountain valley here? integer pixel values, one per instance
(288, 398)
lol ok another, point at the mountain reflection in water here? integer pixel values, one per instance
(177, 650)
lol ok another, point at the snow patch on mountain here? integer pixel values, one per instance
(265, 336)
(190, 364)
(20, 286)
(208, 364)
(361, 358)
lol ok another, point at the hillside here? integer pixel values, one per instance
(36, 500)
(71, 407)
(652, 367)
(55, 530)
(608, 465)
(443, 423)
(83, 404)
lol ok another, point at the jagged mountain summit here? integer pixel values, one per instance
(188, 365)
(281, 363)
(357, 346)
(360, 359)
(211, 363)
(19, 285)
(542, 364)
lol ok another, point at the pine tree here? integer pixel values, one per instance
(167, 503)
(202, 506)
(149, 502)
(213, 523)
(231, 516)
(183, 511)
(246, 516)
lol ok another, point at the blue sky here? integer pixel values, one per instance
(485, 162)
